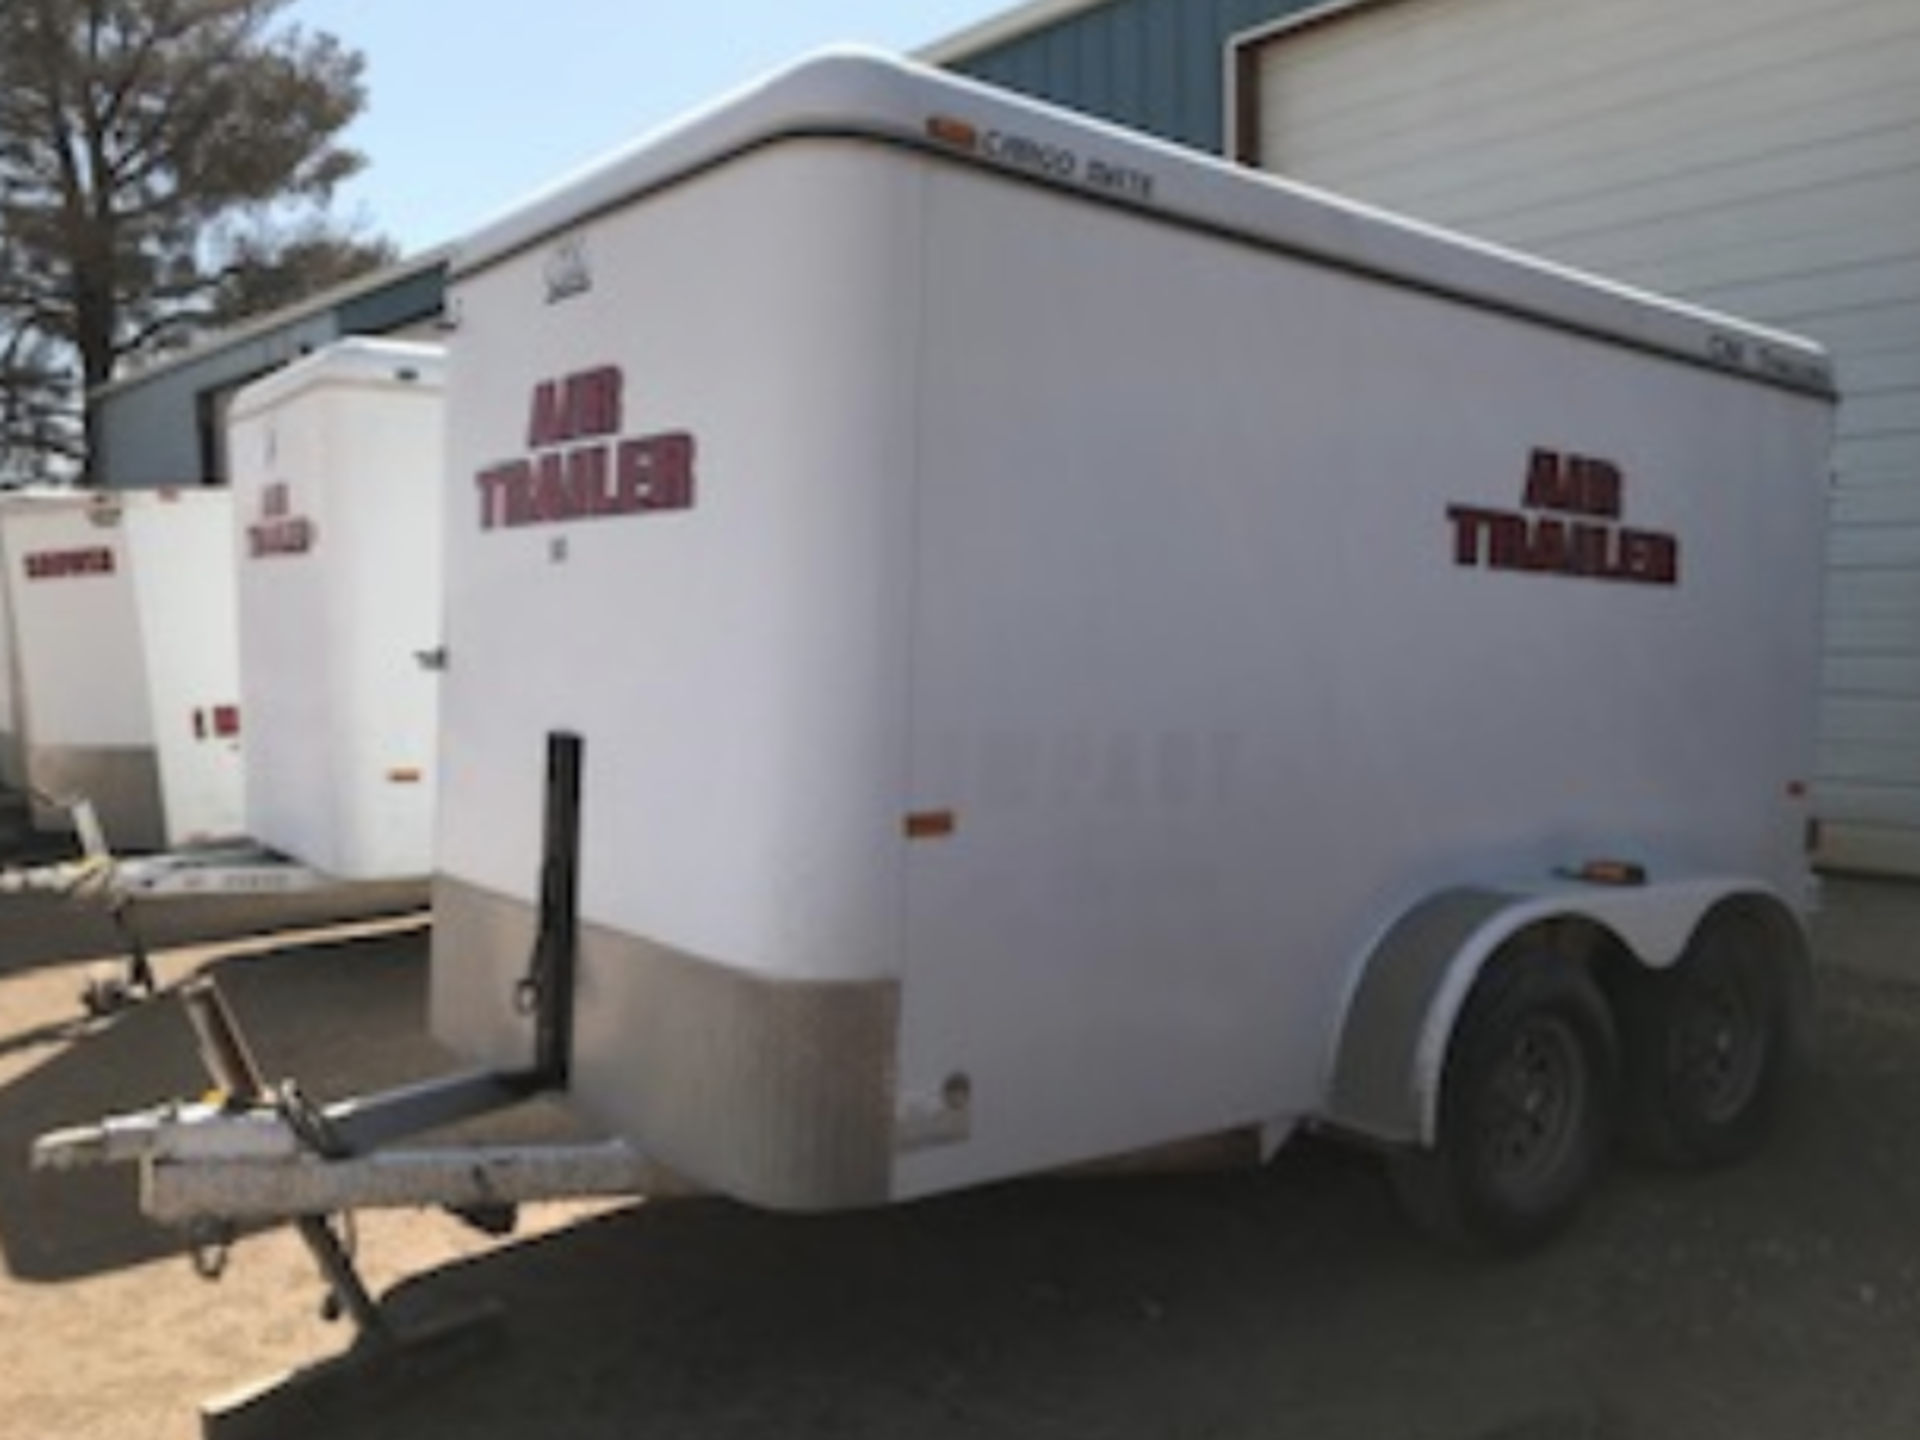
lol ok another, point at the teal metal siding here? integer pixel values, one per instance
(163, 427)
(1153, 65)
(159, 428)
(411, 300)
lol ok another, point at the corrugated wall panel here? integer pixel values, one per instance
(1762, 156)
(1468, 66)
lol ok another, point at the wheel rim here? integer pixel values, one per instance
(1719, 1050)
(1537, 1100)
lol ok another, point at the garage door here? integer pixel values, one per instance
(1758, 156)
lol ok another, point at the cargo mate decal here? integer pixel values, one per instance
(1047, 159)
(581, 465)
(1568, 523)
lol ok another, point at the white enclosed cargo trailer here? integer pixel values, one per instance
(337, 463)
(1073, 649)
(124, 680)
(1078, 647)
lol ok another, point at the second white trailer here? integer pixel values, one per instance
(337, 463)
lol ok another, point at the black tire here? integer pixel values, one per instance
(1526, 1107)
(1708, 1046)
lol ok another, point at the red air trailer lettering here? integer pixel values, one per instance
(581, 468)
(279, 531)
(70, 564)
(575, 407)
(1565, 526)
(1573, 485)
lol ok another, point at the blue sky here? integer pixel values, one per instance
(473, 106)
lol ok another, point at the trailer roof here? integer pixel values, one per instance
(862, 94)
(361, 359)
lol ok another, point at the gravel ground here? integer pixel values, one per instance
(1776, 1301)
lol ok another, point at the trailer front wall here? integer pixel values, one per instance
(125, 660)
(732, 655)
(338, 486)
(80, 707)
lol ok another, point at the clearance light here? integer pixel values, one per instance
(930, 824)
(1608, 872)
(953, 133)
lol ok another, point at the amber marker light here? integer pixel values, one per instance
(930, 824)
(1607, 872)
(953, 133)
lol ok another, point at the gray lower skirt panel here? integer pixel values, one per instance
(778, 1092)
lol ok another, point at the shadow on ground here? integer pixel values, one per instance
(1776, 1300)
(43, 930)
(342, 1017)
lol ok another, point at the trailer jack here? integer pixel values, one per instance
(106, 995)
(90, 875)
(231, 1066)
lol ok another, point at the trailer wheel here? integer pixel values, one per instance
(1706, 1047)
(1525, 1107)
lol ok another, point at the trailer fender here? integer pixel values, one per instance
(1414, 980)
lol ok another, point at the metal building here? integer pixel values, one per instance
(1155, 65)
(165, 425)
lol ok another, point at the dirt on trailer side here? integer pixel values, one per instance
(1780, 1299)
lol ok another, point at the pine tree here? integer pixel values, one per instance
(164, 166)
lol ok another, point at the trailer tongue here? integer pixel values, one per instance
(256, 1151)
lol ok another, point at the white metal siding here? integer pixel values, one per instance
(1759, 156)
